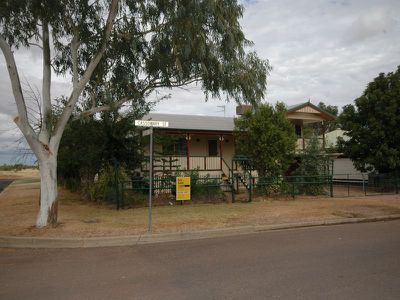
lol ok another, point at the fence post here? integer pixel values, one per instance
(122, 195)
(330, 178)
(293, 189)
(251, 190)
(348, 186)
(116, 183)
(233, 191)
(364, 189)
(250, 187)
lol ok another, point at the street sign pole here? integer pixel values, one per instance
(151, 124)
(151, 178)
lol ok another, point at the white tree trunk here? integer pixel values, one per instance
(45, 144)
(48, 192)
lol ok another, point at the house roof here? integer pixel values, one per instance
(294, 108)
(212, 123)
(194, 122)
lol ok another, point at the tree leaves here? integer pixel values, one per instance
(267, 137)
(372, 125)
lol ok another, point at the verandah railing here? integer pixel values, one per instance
(173, 163)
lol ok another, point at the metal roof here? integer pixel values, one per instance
(296, 106)
(194, 122)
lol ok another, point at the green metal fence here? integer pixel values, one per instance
(291, 185)
(135, 191)
(363, 184)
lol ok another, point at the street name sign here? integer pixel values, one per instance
(147, 131)
(151, 123)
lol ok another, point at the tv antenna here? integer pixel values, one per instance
(223, 109)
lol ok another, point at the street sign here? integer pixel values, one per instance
(147, 131)
(151, 123)
(182, 188)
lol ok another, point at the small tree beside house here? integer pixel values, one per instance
(312, 173)
(267, 138)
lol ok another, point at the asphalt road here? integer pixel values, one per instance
(4, 183)
(357, 261)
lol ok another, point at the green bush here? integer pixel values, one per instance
(268, 186)
(201, 186)
(104, 188)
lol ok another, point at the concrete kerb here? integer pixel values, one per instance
(132, 240)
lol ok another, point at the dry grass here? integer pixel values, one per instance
(19, 206)
(25, 173)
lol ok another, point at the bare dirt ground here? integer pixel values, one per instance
(26, 173)
(19, 205)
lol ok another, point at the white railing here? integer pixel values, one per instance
(172, 163)
(299, 143)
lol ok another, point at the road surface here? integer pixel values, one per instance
(4, 183)
(357, 261)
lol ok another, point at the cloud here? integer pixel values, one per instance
(304, 42)
(372, 23)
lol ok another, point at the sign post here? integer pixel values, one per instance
(151, 179)
(151, 124)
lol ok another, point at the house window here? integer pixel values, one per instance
(212, 148)
(178, 147)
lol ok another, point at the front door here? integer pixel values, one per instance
(212, 148)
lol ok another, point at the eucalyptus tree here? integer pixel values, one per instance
(127, 50)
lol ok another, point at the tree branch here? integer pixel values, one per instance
(118, 104)
(98, 109)
(22, 119)
(61, 123)
(74, 55)
(37, 98)
(154, 29)
(158, 84)
(34, 44)
(46, 83)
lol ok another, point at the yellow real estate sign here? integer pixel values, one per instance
(182, 188)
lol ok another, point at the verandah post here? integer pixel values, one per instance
(188, 152)
(221, 139)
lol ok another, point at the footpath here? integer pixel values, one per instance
(89, 242)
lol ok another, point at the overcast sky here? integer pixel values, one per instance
(319, 50)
